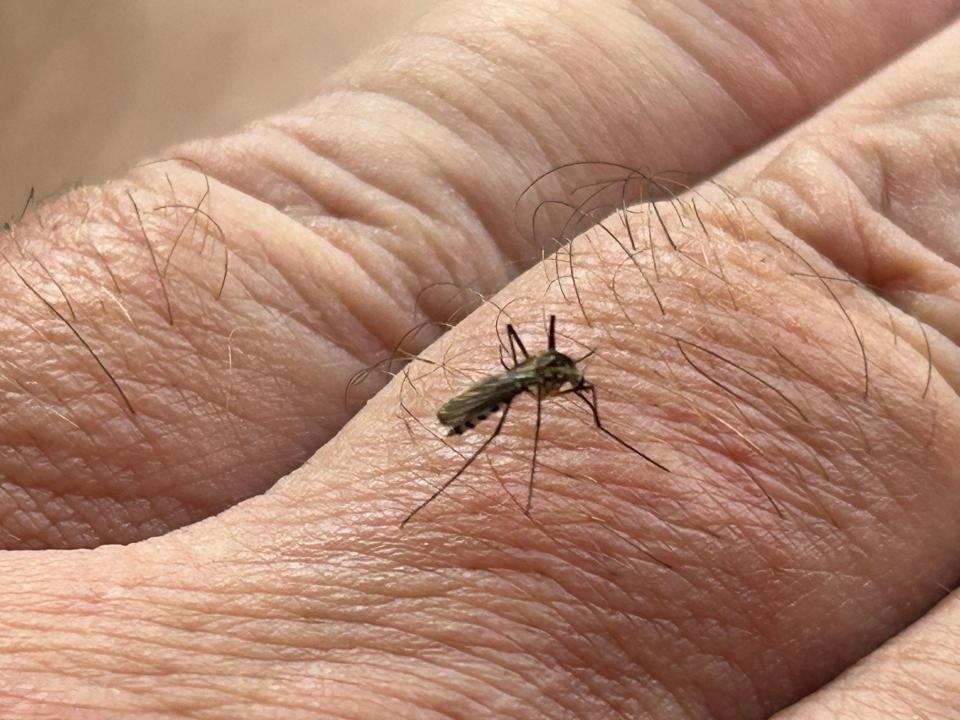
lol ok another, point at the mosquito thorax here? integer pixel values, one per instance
(556, 369)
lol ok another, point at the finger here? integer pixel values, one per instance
(805, 517)
(168, 359)
(915, 675)
(884, 151)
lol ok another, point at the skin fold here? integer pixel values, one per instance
(783, 339)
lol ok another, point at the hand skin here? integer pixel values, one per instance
(630, 592)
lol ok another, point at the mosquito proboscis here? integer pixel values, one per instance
(547, 374)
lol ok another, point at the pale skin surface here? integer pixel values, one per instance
(631, 592)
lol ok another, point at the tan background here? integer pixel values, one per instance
(88, 87)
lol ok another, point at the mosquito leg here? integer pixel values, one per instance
(592, 404)
(533, 462)
(516, 342)
(463, 467)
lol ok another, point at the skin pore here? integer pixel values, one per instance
(788, 350)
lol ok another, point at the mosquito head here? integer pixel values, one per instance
(556, 370)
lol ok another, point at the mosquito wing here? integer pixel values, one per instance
(484, 398)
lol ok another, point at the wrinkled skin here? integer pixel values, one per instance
(800, 383)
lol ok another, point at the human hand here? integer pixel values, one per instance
(629, 592)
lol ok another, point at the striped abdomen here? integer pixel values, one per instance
(483, 399)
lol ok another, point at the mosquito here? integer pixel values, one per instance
(544, 375)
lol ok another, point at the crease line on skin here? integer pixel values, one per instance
(507, 155)
(773, 63)
(317, 149)
(644, 109)
(420, 217)
(334, 256)
(332, 248)
(861, 207)
(695, 111)
(870, 290)
(518, 73)
(431, 116)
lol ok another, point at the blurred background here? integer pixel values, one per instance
(88, 87)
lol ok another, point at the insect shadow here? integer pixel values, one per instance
(543, 375)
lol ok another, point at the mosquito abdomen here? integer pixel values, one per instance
(471, 422)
